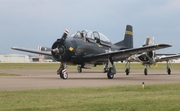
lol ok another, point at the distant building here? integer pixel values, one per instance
(39, 58)
(175, 61)
(18, 58)
(14, 58)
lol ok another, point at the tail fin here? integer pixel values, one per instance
(128, 38)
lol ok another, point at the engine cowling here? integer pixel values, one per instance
(146, 57)
(58, 48)
(58, 51)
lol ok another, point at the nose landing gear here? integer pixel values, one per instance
(62, 72)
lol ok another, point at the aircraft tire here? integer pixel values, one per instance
(65, 75)
(61, 74)
(109, 75)
(127, 71)
(145, 71)
(169, 71)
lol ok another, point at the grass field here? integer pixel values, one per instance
(56, 66)
(115, 98)
(5, 74)
(165, 97)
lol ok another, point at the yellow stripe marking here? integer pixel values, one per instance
(129, 32)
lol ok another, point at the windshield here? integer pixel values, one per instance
(91, 34)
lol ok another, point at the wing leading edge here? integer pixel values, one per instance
(117, 55)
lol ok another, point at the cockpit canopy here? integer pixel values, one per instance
(91, 35)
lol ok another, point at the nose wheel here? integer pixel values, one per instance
(62, 72)
(145, 71)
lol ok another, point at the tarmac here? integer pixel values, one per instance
(43, 79)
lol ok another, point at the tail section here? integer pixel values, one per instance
(128, 39)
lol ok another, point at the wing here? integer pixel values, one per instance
(32, 51)
(117, 55)
(166, 58)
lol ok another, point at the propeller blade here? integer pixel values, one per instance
(64, 36)
(41, 48)
(147, 41)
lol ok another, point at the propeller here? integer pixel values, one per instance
(42, 48)
(147, 42)
(58, 48)
(153, 41)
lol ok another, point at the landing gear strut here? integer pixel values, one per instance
(79, 68)
(112, 70)
(168, 67)
(127, 68)
(106, 68)
(62, 72)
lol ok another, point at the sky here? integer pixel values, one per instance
(33, 23)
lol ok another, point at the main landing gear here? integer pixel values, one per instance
(106, 68)
(168, 67)
(112, 70)
(62, 72)
(79, 68)
(127, 68)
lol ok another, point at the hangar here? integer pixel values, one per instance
(14, 58)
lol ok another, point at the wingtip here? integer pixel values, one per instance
(13, 47)
(166, 45)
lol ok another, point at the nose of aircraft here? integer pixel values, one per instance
(58, 48)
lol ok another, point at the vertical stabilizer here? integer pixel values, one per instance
(128, 38)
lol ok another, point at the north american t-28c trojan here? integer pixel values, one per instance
(150, 58)
(87, 47)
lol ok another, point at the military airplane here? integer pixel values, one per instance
(126, 43)
(91, 47)
(150, 58)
